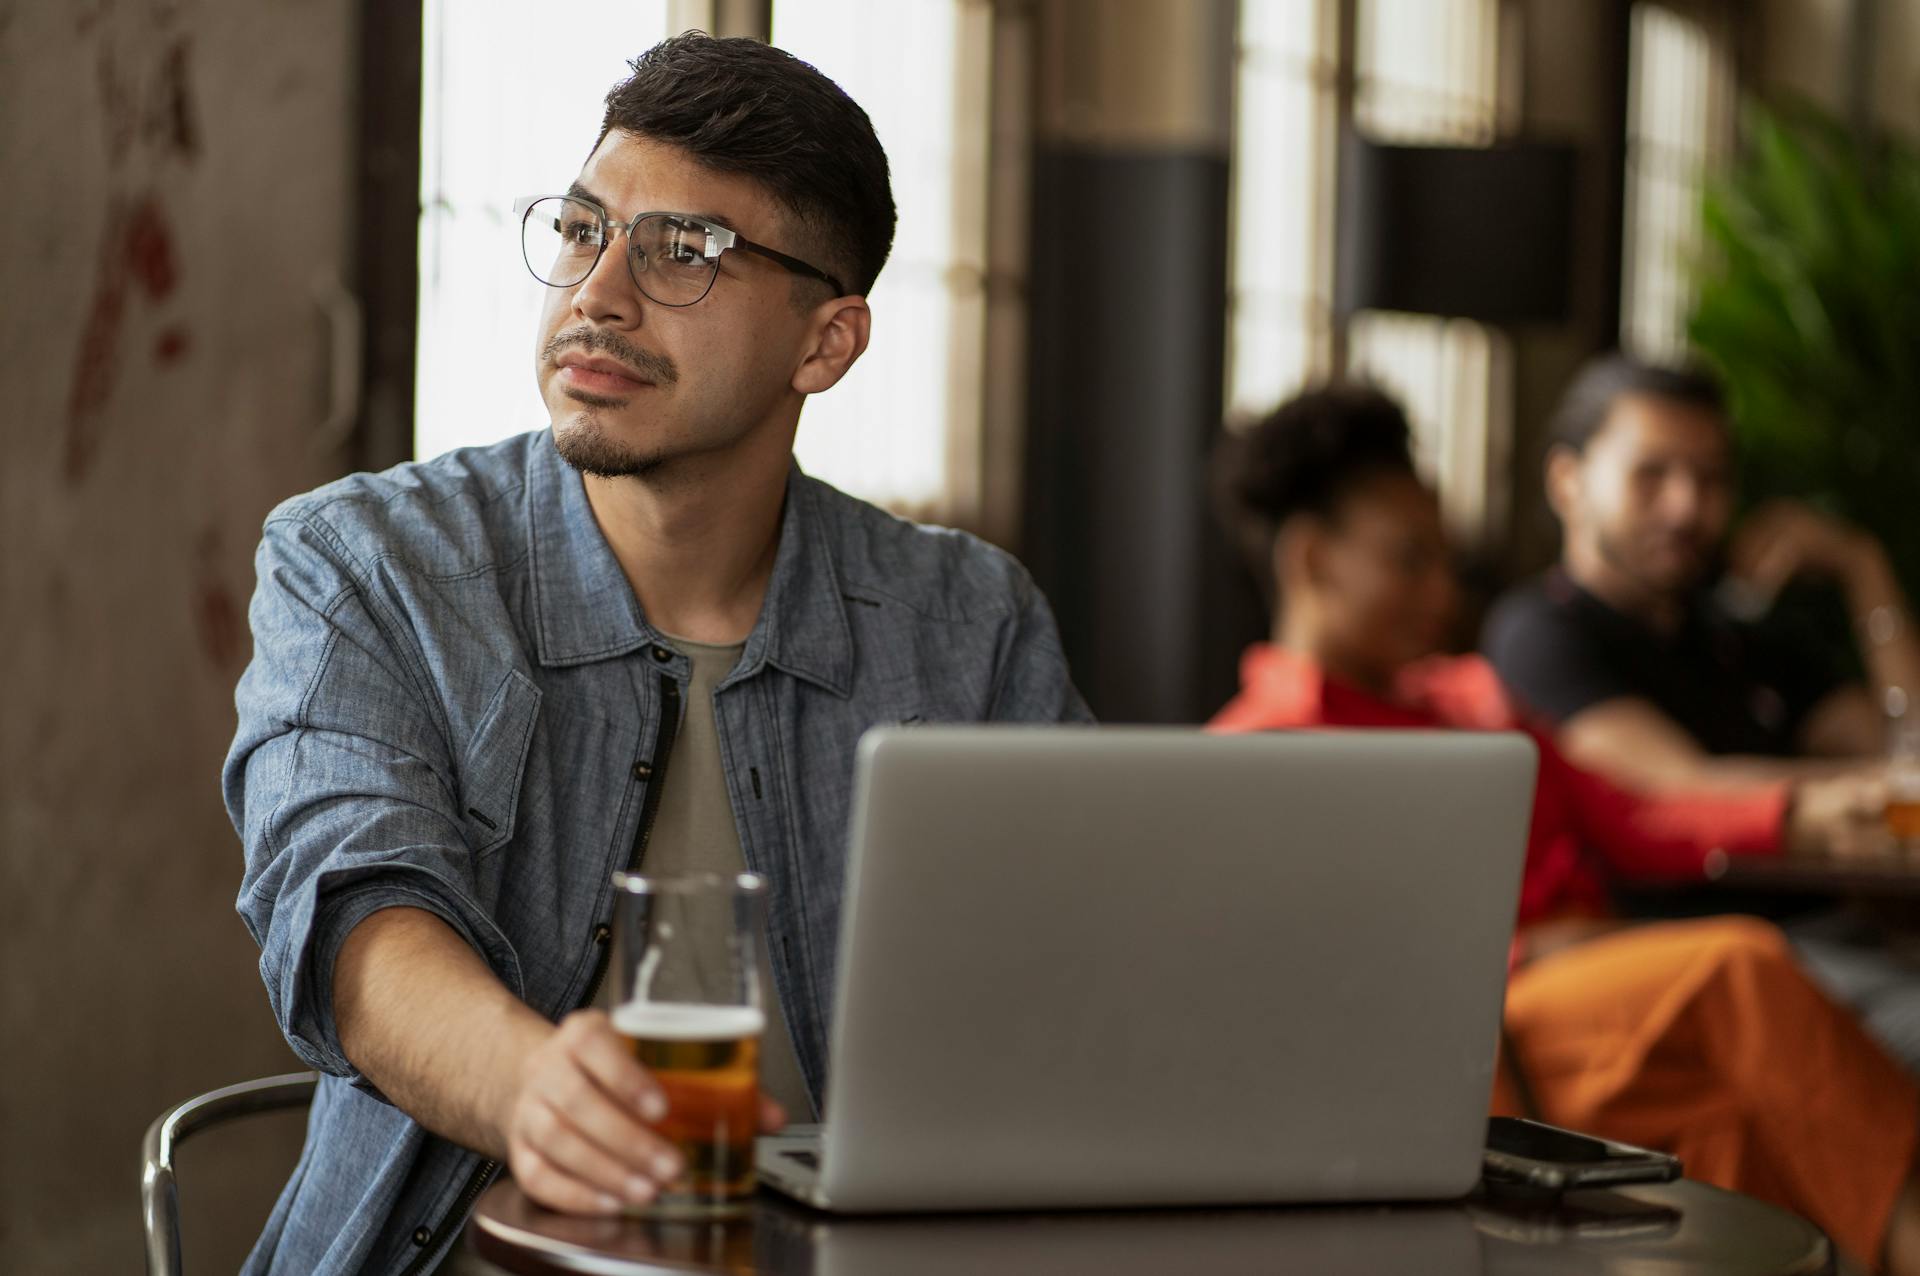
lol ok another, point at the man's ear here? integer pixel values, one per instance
(1566, 481)
(840, 332)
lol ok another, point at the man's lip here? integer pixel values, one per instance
(602, 377)
(601, 366)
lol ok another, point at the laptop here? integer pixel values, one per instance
(1122, 967)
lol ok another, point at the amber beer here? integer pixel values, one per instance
(1903, 818)
(706, 1059)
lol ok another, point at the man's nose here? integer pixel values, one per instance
(608, 294)
(1682, 497)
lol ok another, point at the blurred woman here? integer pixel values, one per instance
(1701, 1038)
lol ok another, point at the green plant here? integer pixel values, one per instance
(1809, 308)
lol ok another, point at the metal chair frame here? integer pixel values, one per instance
(159, 1198)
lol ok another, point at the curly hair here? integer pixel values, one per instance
(1305, 457)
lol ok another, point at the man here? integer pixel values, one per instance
(1654, 675)
(1659, 677)
(484, 683)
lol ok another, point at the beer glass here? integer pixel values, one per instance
(689, 1008)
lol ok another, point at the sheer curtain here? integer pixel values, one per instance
(1679, 125)
(1427, 71)
(899, 424)
(1429, 74)
(1280, 301)
(511, 99)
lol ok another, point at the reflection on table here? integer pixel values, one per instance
(1676, 1228)
(1893, 876)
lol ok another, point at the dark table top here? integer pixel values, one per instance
(1891, 877)
(1675, 1229)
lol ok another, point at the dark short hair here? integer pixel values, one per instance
(1604, 381)
(742, 107)
(1305, 457)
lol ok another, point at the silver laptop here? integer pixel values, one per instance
(1086, 967)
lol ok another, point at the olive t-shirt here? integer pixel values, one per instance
(694, 832)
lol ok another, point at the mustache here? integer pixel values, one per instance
(656, 368)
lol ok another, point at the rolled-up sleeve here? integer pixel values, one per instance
(341, 783)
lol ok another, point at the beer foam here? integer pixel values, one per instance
(680, 1021)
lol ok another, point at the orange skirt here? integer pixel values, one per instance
(1704, 1039)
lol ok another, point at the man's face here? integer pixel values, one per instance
(633, 385)
(1652, 492)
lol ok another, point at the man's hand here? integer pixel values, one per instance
(1785, 539)
(1843, 817)
(577, 1129)
(566, 1107)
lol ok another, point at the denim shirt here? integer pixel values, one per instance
(456, 704)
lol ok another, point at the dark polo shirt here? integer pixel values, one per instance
(1737, 688)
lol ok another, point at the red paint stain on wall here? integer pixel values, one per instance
(172, 345)
(137, 250)
(94, 360)
(148, 244)
(217, 622)
(153, 110)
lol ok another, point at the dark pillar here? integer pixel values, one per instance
(1128, 268)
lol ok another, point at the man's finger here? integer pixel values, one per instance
(541, 1180)
(569, 1149)
(610, 1123)
(603, 1054)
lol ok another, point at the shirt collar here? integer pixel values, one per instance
(584, 609)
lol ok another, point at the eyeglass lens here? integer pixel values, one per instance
(562, 240)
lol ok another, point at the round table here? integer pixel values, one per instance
(1674, 1229)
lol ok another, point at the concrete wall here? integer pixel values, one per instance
(175, 172)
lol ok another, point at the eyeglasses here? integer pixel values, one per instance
(673, 257)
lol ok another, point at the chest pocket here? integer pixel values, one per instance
(496, 760)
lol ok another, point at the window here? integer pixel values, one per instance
(1679, 126)
(1280, 317)
(1426, 71)
(511, 99)
(1429, 73)
(903, 427)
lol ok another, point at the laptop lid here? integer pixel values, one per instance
(1146, 966)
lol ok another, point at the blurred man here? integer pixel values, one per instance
(642, 639)
(1662, 677)
(1652, 673)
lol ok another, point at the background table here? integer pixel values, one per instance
(1884, 877)
(1675, 1229)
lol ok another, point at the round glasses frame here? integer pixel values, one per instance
(717, 240)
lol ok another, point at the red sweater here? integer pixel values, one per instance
(1584, 829)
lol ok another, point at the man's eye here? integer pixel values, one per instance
(683, 244)
(582, 233)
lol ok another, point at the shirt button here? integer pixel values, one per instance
(662, 654)
(422, 1235)
(602, 933)
(642, 770)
